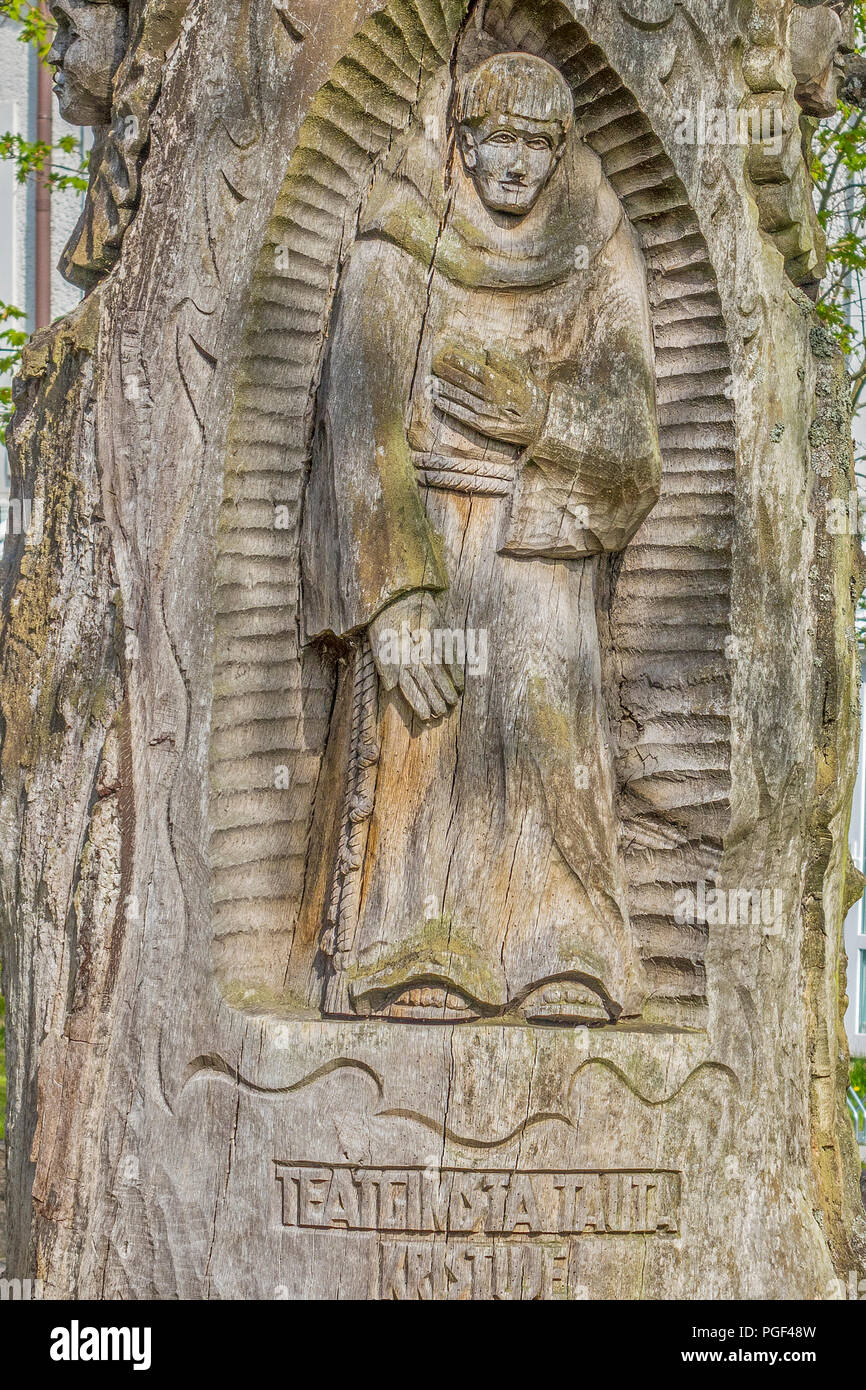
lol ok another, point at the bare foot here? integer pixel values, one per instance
(430, 1003)
(565, 1001)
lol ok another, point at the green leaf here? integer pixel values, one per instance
(37, 28)
(838, 168)
(12, 340)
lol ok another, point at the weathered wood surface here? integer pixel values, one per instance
(179, 1123)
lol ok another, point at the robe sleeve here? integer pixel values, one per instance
(366, 538)
(595, 472)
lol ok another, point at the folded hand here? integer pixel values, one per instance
(490, 392)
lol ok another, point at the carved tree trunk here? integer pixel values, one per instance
(183, 1119)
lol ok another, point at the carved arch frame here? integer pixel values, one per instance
(667, 616)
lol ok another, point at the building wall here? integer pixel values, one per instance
(18, 69)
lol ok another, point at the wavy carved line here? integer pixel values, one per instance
(213, 1067)
(661, 1100)
(453, 1137)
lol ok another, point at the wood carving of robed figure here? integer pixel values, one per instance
(485, 437)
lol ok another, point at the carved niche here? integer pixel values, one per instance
(482, 400)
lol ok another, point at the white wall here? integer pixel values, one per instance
(18, 66)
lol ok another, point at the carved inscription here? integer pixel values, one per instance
(477, 1271)
(477, 1202)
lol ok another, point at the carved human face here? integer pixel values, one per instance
(510, 160)
(818, 41)
(89, 43)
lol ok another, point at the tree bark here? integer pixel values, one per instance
(178, 1125)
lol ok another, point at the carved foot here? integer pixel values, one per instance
(428, 1003)
(564, 1002)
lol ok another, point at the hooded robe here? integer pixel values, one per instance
(490, 862)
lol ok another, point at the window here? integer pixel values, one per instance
(861, 1011)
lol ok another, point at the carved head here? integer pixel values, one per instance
(819, 37)
(88, 46)
(513, 114)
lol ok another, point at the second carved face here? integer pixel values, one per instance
(819, 39)
(88, 46)
(510, 160)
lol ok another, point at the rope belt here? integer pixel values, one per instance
(465, 474)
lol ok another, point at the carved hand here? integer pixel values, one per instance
(407, 656)
(490, 392)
